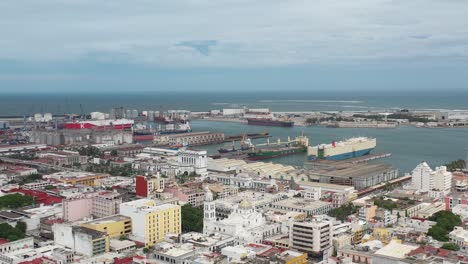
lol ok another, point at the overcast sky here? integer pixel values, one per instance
(221, 45)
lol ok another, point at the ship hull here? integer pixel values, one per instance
(92, 126)
(275, 154)
(343, 156)
(257, 122)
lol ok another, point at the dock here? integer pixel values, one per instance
(241, 136)
(317, 164)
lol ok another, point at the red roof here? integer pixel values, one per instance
(3, 241)
(126, 260)
(53, 221)
(39, 260)
(40, 196)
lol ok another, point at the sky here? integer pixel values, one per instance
(233, 45)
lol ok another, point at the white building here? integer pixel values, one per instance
(81, 240)
(244, 223)
(313, 237)
(424, 179)
(459, 236)
(193, 161)
(313, 194)
(12, 246)
(233, 111)
(461, 210)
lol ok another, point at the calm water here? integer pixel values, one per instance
(21, 104)
(408, 145)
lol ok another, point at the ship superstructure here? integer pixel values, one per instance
(340, 150)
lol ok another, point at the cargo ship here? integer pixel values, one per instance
(246, 144)
(291, 147)
(269, 122)
(117, 124)
(341, 150)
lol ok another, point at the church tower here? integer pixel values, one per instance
(209, 210)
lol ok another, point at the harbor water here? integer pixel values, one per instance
(408, 145)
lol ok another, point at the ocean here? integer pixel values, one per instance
(408, 145)
(61, 103)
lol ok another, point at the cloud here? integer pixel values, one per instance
(202, 46)
(232, 33)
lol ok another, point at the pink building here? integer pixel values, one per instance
(191, 195)
(95, 204)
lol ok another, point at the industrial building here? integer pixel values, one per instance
(81, 137)
(361, 176)
(190, 139)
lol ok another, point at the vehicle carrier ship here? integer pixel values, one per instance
(341, 150)
(269, 122)
(278, 149)
(118, 124)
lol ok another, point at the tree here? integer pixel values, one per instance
(446, 221)
(11, 233)
(146, 250)
(342, 212)
(13, 201)
(114, 153)
(455, 165)
(192, 218)
(451, 246)
(21, 226)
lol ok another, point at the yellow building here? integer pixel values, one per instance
(89, 180)
(114, 226)
(293, 257)
(151, 222)
(382, 234)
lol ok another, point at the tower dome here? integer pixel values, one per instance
(245, 205)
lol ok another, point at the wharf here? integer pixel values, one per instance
(318, 164)
(250, 136)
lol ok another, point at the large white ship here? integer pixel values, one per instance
(100, 124)
(350, 148)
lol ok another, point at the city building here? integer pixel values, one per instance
(148, 186)
(244, 223)
(424, 179)
(63, 158)
(151, 222)
(77, 178)
(459, 236)
(10, 246)
(94, 204)
(313, 237)
(367, 212)
(259, 201)
(187, 194)
(81, 240)
(113, 226)
(193, 161)
(302, 206)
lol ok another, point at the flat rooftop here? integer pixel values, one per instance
(325, 185)
(356, 170)
(109, 219)
(300, 203)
